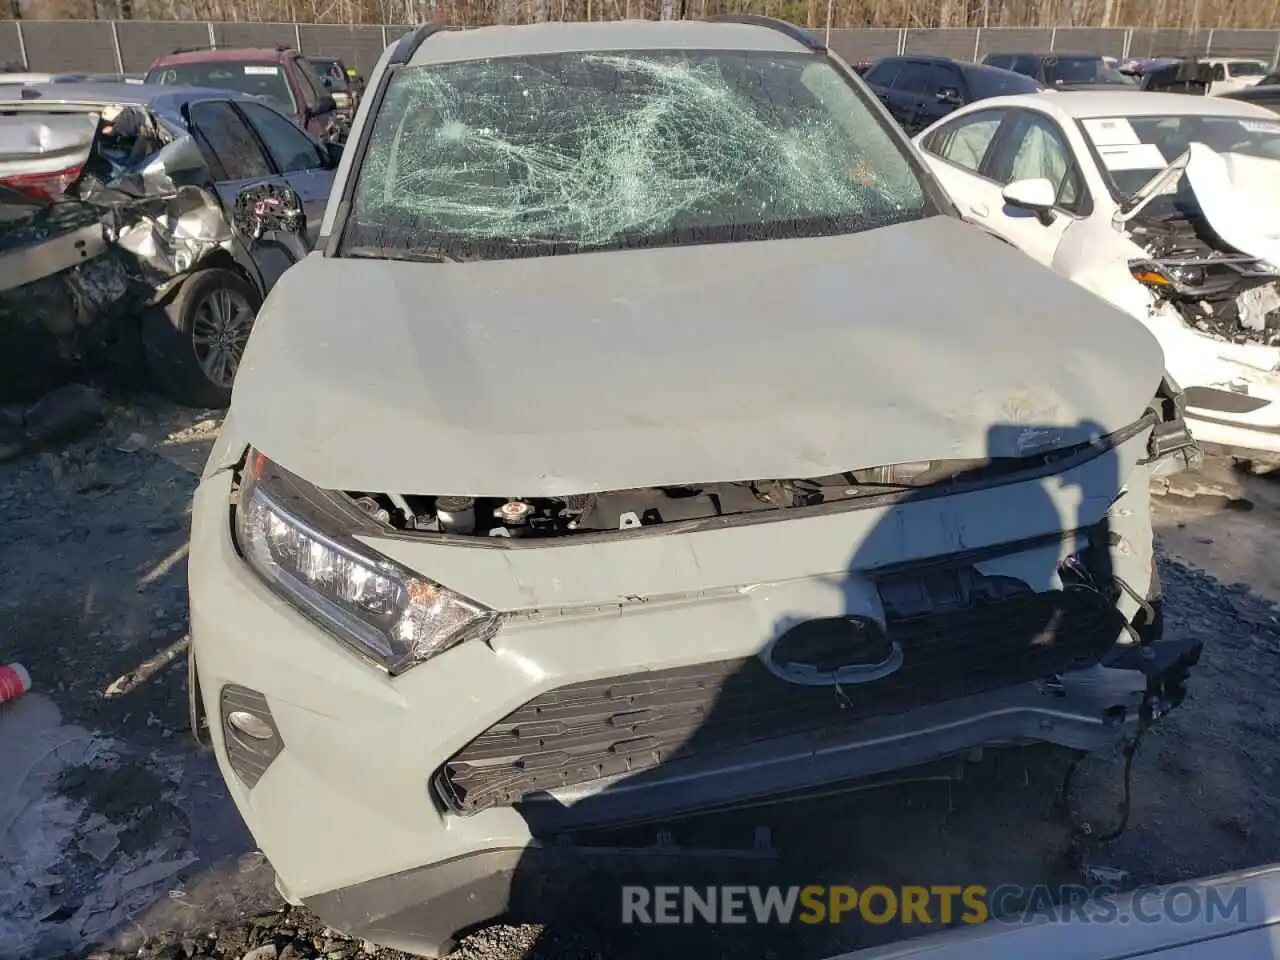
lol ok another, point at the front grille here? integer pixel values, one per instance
(603, 728)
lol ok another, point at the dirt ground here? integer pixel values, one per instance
(117, 838)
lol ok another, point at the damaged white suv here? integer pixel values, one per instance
(1166, 206)
(648, 437)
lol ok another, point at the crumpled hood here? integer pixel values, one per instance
(1240, 197)
(792, 358)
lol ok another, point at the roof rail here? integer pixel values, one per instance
(408, 45)
(802, 37)
(278, 47)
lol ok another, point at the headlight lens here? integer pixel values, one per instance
(389, 614)
(1149, 275)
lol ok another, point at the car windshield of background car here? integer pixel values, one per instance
(258, 79)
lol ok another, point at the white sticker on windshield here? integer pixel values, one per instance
(1110, 131)
(261, 71)
(1261, 126)
(1137, 156)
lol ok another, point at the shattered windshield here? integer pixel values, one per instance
(1131, 150)
(1060, 70)
(569, 152)
(259, 79)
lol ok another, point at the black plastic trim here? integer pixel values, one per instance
(422, 910)
(802, 37)
(408, 45)
(248, 758)
(363, 524)
(334, 240)
(401, 54)
(1222, 401)
(195, 706)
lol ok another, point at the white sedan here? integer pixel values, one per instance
(1230, 75)
(1166, 205)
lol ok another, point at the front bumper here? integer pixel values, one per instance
(1231, 390)
(347, 812)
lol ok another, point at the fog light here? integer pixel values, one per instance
(249, 733)
(249, 725)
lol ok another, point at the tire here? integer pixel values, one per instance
(194, 342)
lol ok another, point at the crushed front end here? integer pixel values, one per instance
(1214, 296)
(417, 755)
(103, 210)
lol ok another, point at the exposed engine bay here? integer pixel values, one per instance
(1215, 289)
(1219, 286)
(629, 509)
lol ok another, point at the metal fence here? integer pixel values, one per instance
(130, 46)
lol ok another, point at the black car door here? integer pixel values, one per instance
(910, 90)
(880, 76)
(943, 93)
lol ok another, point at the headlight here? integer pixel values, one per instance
(389, 614)
(1150, 275)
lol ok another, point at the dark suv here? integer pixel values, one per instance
(279, 74)
(1063, 70)
(920, 90)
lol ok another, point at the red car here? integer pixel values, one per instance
(280, 74)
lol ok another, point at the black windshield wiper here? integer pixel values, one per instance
(413, 254)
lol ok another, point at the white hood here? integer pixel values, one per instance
(1240, 197)
(710, 363)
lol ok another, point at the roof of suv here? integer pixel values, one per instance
(1046, 56)
(533, 39)
(215, 54)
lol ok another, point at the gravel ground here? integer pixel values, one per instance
(118, 839)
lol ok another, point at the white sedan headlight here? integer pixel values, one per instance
(294, 537)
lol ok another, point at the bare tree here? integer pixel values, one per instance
(1185, 15)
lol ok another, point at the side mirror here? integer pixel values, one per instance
(328, 83)
(324, 104)
(1037, 195)
(950, 96)
(333, 153)
(268, 208)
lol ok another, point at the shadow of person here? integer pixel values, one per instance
(978, 606)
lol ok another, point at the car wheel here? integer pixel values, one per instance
(195, 342)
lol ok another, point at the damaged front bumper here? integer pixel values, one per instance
(631, 682)
(1231, 390)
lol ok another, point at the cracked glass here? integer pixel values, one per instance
(572, 152)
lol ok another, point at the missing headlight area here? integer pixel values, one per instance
(650, 506)
(1195, 221)
(590, 151)
(1215, 291)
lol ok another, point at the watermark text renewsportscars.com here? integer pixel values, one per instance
(939, 905)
